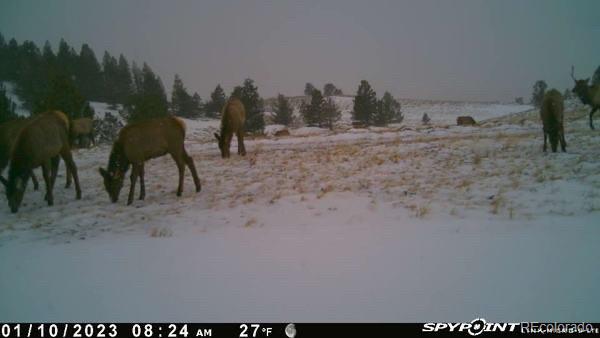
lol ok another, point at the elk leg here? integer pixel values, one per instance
(142, 185)
(545, 145)
(48, 180)
(178, 158)
(54, 170)
(563, 143)
(189, 161)
(135, 172)
(72, 169)
(68, 184)
(592, 114)
(36, 184)
(241, 147)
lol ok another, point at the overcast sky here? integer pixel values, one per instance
(453, 49)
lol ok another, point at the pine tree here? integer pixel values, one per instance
(313, 112)
(365, 103)
(110, 74)
(197, 106)
(388, 111)
(181, 101)
(217, 101)
(331, 90)
(283, 111)
(596, 77)
(253, 103)
(66, 58)
(308, 89)
(7, 107)
(331, 113)
(124, 85)
(89, 75)
(64, 95)
(3, 58)
(149, 100)
(539, 89)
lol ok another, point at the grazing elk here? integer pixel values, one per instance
(82, 132)
(551, 113)
(140, 142)
(8, 134)
(233, 118)
(40, 143)
(589, 95)
(465, 121)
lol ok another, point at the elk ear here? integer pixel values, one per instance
(103, 172)
(217, 137)
(4, 182)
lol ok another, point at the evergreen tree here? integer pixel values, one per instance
(331, 90)
(283, 111)
(136, 77)
(596, 77)
(331, 113)
(388, 111)
(539, 89)
(7, 107)
(149, 100)
(110, 74)
(31, 81)
(217, 101)
(365, 103)
(181, 101)
(124, 84)
(11, 63)
(66, 58)
(519, 100)
(253, 103)
(197, 106)
(3, 58)
(425, 119)
(312, 112)
(308, 89)
(63, 95)
(89, 75)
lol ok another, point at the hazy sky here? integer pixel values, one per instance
(453, 49)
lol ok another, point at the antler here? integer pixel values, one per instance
(573, 73)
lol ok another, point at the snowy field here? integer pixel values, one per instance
(407, 223)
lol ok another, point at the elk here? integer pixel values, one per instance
(551, 113)
(465, 121)
(42, 142)
(233, 118)
(142, 141)
(82, 129)
(589, 95)
(8, 134)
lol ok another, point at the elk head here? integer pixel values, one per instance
(113, 183)
(15, 189)
(581, 87)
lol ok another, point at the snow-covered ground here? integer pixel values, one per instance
(387, 224)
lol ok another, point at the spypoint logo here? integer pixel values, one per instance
(474, 328)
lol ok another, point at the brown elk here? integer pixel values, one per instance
(589, 95)
(82, 132)
(8, 134)
(465, 121)
(42, 142)
(233, 118)
(552, 114)
(139, 142)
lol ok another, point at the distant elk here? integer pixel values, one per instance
(42, 142)
(589, 95)
(142, 141)
(82, 132)
(233, 118)
(465, 121)
(552, 114)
